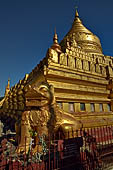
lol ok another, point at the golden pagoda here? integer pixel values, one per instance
(80, 74)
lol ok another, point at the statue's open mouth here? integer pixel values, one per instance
(36, 97)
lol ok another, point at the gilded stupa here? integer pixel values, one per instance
(84, 38)
(82, 77)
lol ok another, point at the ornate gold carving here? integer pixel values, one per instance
(53, 55)
(71, 62)
(92, 67)
(73, 41)
(78, 63)
(98, 69)
(103, 71)
(85, 65)
(63, 59)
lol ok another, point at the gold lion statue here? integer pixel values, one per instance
(43, 116)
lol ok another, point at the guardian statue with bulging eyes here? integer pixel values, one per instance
(43, 115)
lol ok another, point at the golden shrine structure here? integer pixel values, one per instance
(71, 88)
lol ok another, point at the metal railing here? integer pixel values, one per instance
(89, 149)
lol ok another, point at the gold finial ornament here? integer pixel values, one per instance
(8, 85)
(56, 45)
(7, 88)
(55, 38)
(76, 13)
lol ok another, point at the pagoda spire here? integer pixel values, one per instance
(77, 19)
(55, 38)
(76, 13)
(56, 45)
(7, 89)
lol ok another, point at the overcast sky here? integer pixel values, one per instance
(27, 28)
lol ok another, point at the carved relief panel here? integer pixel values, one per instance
(63, 59)
(78, 63)
(53, 55)
(98, 69)
(103, 71)
(85, 65)
(92, 67)
(71, 62)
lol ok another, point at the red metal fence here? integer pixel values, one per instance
(85, 151)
